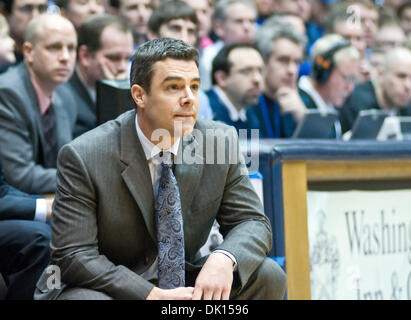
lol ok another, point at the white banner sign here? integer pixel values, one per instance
(360, 244)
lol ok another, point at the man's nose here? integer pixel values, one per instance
(94, 7)
(189, 96)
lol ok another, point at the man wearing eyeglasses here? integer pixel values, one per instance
(19, 13)
(335, 69)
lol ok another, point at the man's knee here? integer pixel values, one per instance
(273, 278)
(83, 294)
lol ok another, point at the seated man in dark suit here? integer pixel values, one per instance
(134, 205)
(280, 107)
(237, 84)
(24, 239)
(105, 45)
(389, 91)
(36, 116)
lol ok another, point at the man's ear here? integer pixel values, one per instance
(28, 52)
(151, 35)
(84, 56)
(221, 78)
(139, 95)
(218, 29)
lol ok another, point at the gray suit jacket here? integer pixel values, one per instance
(21, 135)
(103, 224)
(86, 108)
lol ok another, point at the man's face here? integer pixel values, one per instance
(282, 66)
(21, 14)
(181, 29)
(137, 13)
(112, 59)
(265, 7)
(244, 83)
(172, 102)
(301, 8)
(342, 81)
(396, 82)
(390, 37)
(406, 20)
(353, 33)
(77, 11)
(369, 20)
(53, 57)
(239, 25)
(203, 12)
(7, 47)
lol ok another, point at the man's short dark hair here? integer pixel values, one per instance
(89, 33)
(170, 10)
(7, 5)
(221, 61)
(142, 68)
(61, 3)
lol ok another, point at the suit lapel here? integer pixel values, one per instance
(188, 171)
(137, 174)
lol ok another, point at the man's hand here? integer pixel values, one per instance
(111, 72)
(290, 102)
(171, 294)
(215, 278)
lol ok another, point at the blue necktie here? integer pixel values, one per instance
(170, 233)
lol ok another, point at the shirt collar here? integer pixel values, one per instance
(234, 114)
(43, 100)
(306, 85)
(91, 91)
(150, 149)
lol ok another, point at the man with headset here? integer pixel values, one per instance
(335, 68)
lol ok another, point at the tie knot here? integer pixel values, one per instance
(165, 158)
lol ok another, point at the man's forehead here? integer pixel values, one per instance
(26, 2)
(245, 56)
(181, 22)
(282, 48)
(170, 67)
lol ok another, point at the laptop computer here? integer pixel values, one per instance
(317, 125)
(368, 124)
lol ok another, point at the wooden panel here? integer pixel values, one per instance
(358, 170)
(296, 230)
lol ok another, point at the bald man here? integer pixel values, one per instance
(37, 117)
(390, 91)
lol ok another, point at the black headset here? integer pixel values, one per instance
(324, 63)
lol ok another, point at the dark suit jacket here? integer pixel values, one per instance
(221, 113)
(281, 125)
(21, 135)
(86, 108)
(103, 223)
(15, 204)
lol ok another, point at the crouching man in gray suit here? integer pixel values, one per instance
(108, 235)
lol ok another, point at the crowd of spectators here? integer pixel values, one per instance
(263, 63)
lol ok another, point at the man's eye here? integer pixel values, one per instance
(172, 87)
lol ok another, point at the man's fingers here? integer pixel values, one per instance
(217, 294)
(226, 294)
(207, 294)
(198, 293)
